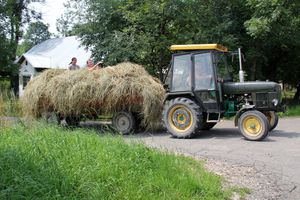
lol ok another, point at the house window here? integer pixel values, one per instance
(26, 79)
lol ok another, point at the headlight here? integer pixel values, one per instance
(275, 102)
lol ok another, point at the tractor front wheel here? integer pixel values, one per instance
(181, 117)
(254, 125)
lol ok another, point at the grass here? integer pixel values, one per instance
(9, 104)
(288, 94)
(292, 105)
(291, 111)
(48, 162)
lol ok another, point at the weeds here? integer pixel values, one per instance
(9, 104)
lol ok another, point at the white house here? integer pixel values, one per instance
(51, 54)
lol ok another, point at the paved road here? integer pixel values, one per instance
(276, 160)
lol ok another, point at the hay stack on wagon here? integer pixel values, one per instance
(35, 101)
(126, 86)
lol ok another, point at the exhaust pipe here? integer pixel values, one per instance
(241, 72)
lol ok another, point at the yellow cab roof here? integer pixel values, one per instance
(189, 47)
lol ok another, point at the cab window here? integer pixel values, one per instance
(181, 73)
(204, 72)
(223, 70)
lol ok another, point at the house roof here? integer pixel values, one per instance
(56, 53)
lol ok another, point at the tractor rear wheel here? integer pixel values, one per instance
(254, 125)
(124, 122)
(272, 118)
(181, 117)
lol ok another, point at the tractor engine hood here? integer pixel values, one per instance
(249, 87)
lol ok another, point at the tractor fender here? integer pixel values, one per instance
(241, 111)
(173, 95)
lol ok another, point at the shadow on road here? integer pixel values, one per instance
(223, 133)
(282, 133)
(216, 133)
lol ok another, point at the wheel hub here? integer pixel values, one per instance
(252, 126)
(181, 118)
(123, 123)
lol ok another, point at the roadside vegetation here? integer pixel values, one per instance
(292, 105)
(9, 103)
(48, 162)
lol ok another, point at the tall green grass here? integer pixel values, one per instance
(47, 162)
(10, 105)
(292, 111)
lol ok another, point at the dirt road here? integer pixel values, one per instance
(270, 168)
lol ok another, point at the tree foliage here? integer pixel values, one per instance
(14, 14)
(274, 27)
(36, 33)
(142, 31)
(74, 14)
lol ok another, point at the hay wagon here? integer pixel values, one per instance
(127, 91)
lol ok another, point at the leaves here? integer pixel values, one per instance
(37, 32)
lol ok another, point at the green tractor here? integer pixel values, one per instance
(201, 91)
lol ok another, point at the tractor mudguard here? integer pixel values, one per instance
(241, 111)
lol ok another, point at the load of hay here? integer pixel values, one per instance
(126, 86)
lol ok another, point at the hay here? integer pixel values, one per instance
(34, 101)
(126, 86)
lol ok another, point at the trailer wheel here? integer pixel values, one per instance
(51, 117)
(272, 118)
(254, 125)
(72, 120)
(181, 117)
(124, 122)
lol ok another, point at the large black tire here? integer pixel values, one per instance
(181, 117)
(72, 120)
(254, 125)
(51, 117)
(272, 118)
(124, 122)
(205, 126)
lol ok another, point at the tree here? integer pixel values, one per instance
(142, 31)
(74, 15)
(274, 27)
(36, 33)
(14, 14)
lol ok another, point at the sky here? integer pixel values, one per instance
(51, 10)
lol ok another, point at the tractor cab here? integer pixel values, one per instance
(197, 71)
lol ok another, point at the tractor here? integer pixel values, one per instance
(201, 91)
